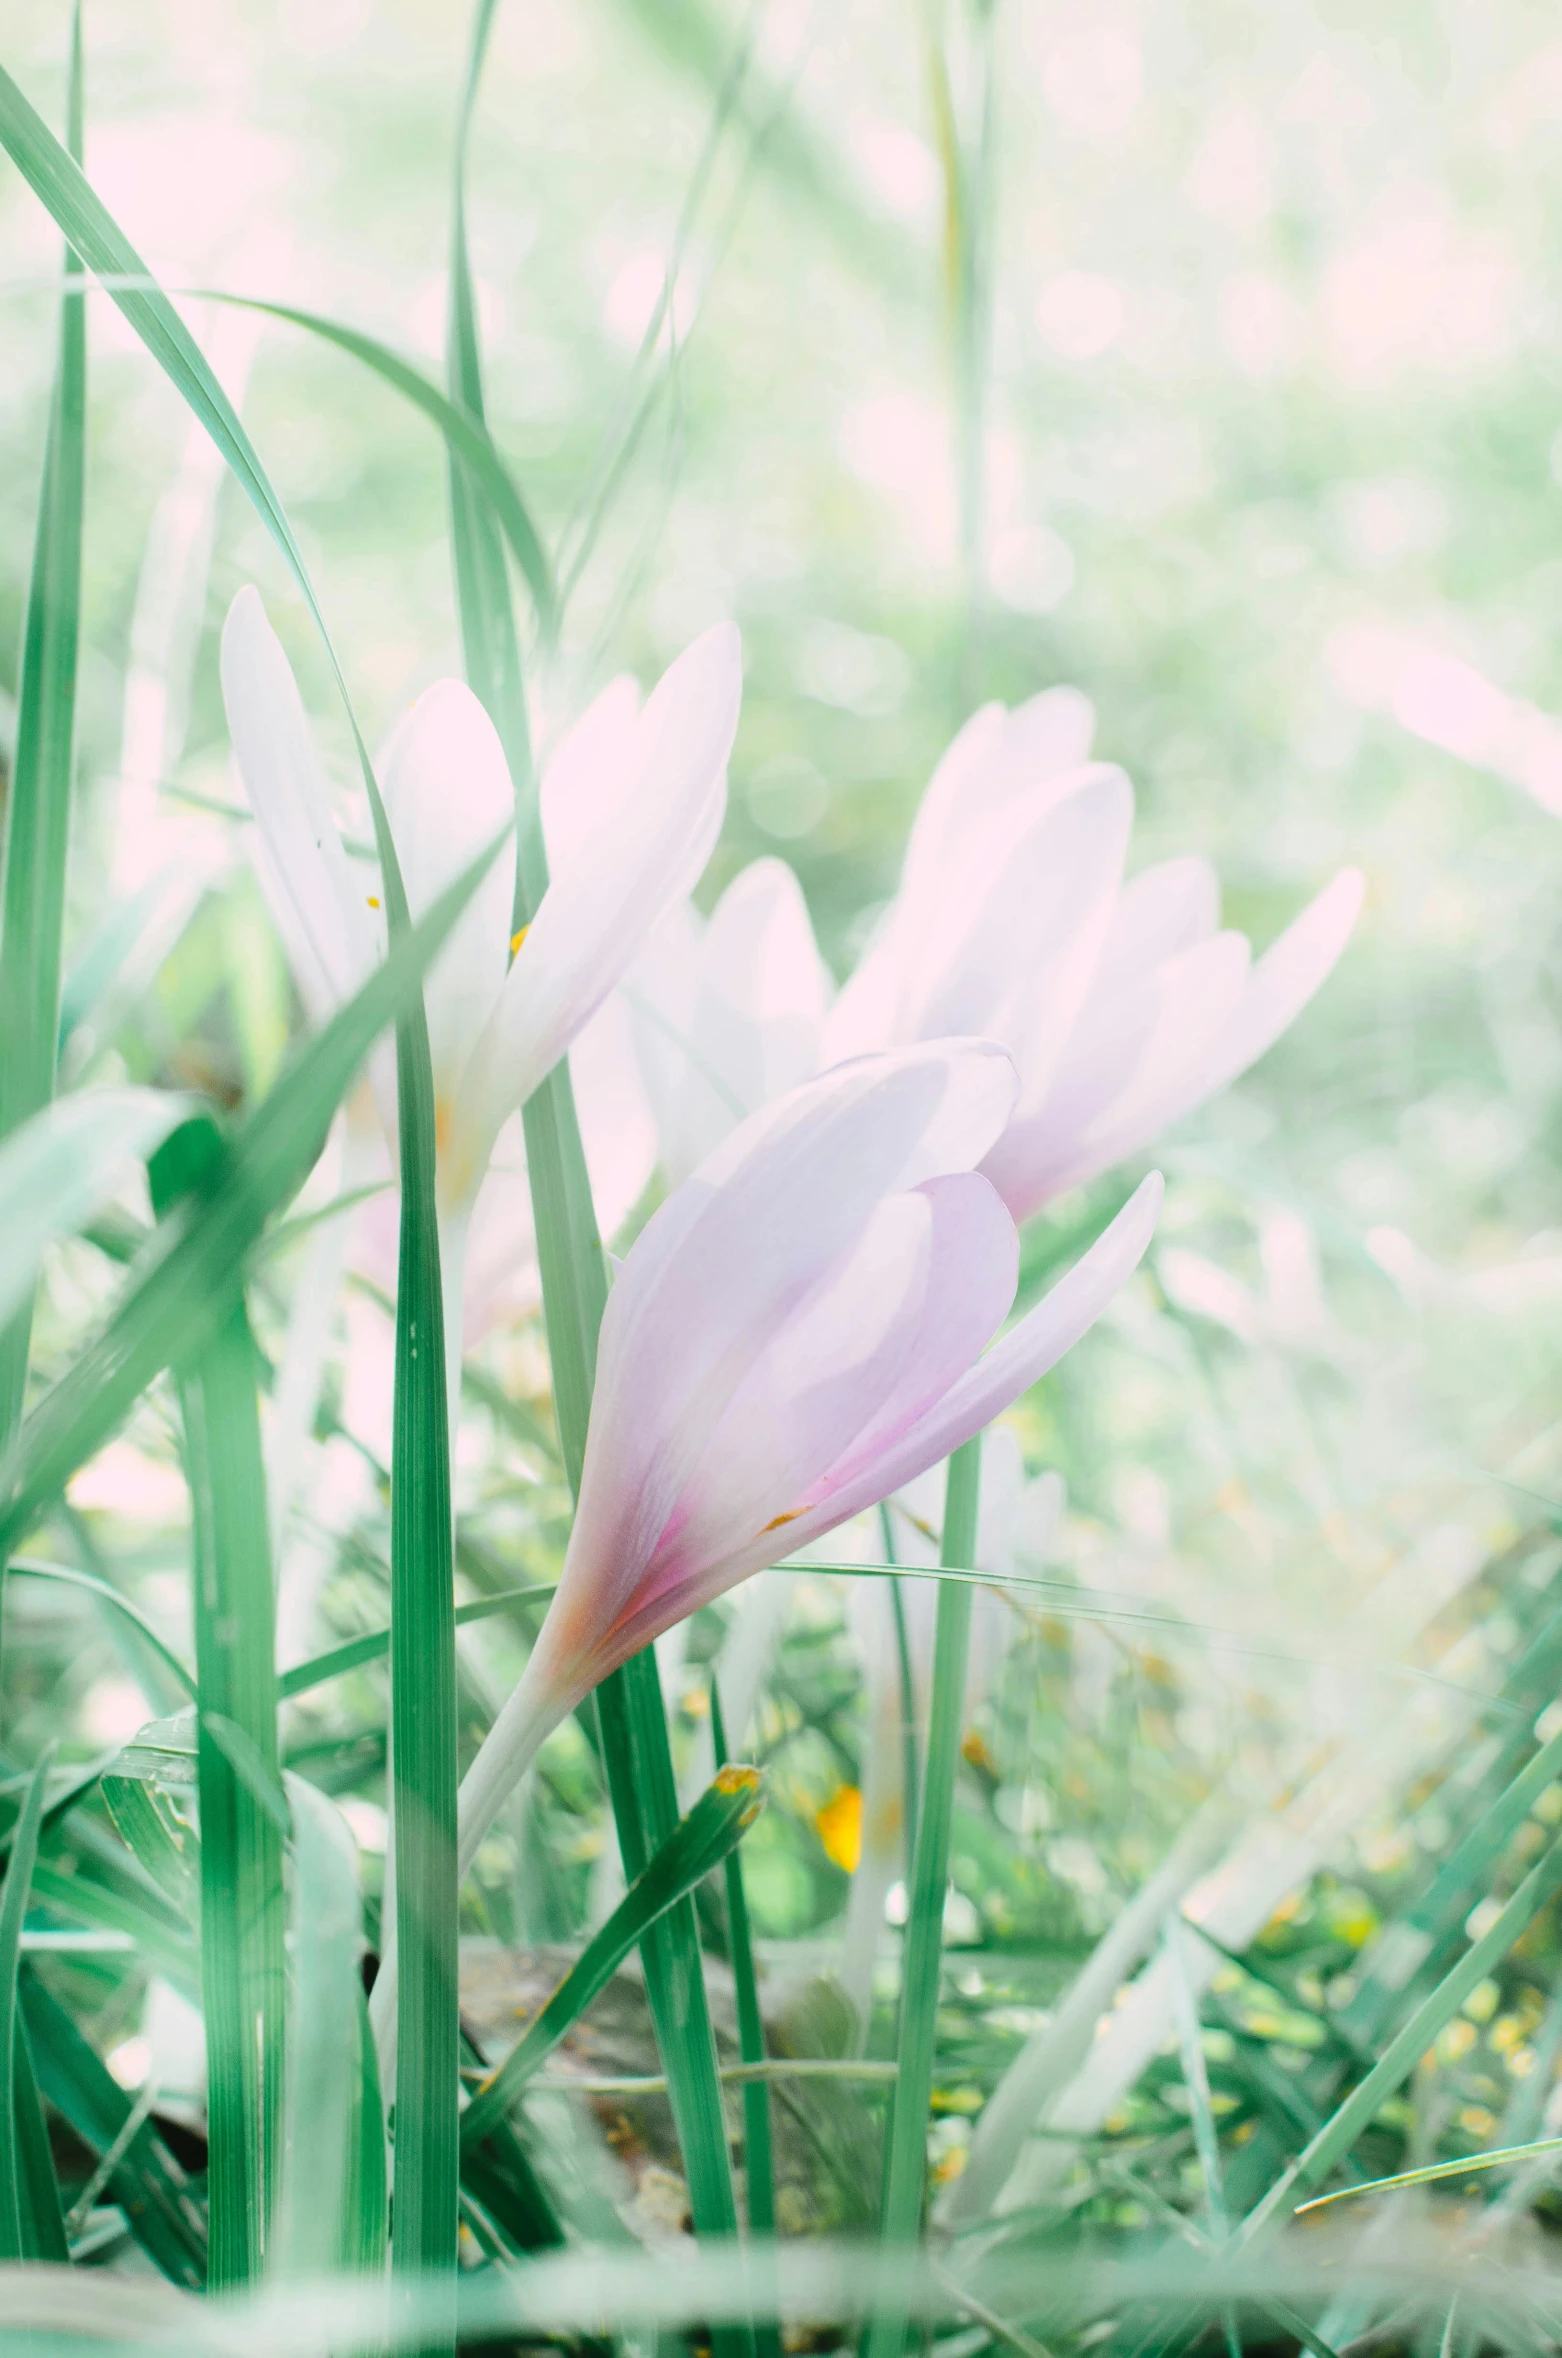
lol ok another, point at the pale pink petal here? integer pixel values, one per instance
(1018, 1360)
(448, 794)
(642, 851)
(1286, 976)
(328, 929)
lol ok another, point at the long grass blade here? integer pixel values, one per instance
(318, 2226)
(179, 1298)
(38, 803)
(1501, 2157)
(1340, 2132)
(635, 1747)
(14, 2207)
(43, 2218)
(906, 2171)
(699, 1843)
(758, 2147)
(243, 1920)
(353, 1653)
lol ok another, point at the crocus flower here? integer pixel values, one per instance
(728, 1011)
(1124, 1005)
(800, 1329)
(632, 803)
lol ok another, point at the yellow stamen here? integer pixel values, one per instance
(516, 939)
(373, 902)
(776, 1521)
(839, 1827)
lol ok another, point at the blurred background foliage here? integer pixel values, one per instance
(1272, 446)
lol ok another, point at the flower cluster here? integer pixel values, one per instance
(808, 1322)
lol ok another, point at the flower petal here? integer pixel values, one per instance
(323, 904)
(1286, 976)
(638, 836)
(447, 795)
(1018, 1360)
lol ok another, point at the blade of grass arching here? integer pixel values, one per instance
(179, 1298)
(318, 2229)
(38, 801)
(1340, 2132)
(573, 1269)
(34, 1568)
(243, 1922)
(699, 1843)
(758, 2152)
(1504, 2157)
(14, 2212)
(468, 439)
(147, 2183)
(905, 2176)
(355, 1652)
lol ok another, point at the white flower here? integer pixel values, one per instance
(1124, 1005)
(632, 804)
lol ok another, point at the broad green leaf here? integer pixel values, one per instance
(699, 1843)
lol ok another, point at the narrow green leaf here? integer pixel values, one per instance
(67, 1575)
(1502, 2157)
(42, 2215)
(699, 1843)
(906, 2172)
(38, 802)
(168, 1851)
(353, 1653)
(179, 1298)
(573, 1269)
(147, 2183)
(243, 1923)
(13, 1909)
(758, 2153)
(1340, 2132)
(318, 2225)
(468, 440)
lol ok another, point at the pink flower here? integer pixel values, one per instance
(802, 1327)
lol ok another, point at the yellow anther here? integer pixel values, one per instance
(373, 901)
(737, 1777)
(516, 939)
(776, 1521)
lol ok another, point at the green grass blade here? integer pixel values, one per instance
(181, 1295)
(33, 1568)
(243, 1970)
(147, 2183)
(1340, 2132)
(318, 2226)
(375, 1643)
(368, 2197)
(906, 2170)
(43, 2217)
(574, 1289)
(38, 803)
(424, 1719)
(697, 1845)
(13, 1908)
(758, 2151)
(1502, 2157)
(468, 440)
